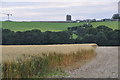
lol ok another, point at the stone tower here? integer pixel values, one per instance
(68, 17)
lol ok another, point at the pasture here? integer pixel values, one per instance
(45, 26)
(40, 60)
(110, 24)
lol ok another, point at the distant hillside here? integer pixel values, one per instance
(45, 26)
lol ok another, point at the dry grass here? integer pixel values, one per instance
(40, 59)
(15, 51)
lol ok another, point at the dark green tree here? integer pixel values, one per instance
(101, 38)
(116, 16)
(91, 31)
(103, 28)
(88, 38)
(7, 36)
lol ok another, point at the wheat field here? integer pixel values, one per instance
(10, 52)
(40, 60)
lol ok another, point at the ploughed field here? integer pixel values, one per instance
(40, 60)
(45, 26)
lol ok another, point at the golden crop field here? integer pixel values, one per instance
(10, 52)
(43, 58)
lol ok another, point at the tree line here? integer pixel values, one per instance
(101, 35)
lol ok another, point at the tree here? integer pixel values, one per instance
(80, 30)
(103, 28)
(116, 16)
(87, 25)
(91, 31)
(7, 36)
(33, 37)
(88, 38)
(114, 40)
(101, 38)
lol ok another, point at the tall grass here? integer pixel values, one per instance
(37, 66)
(27, 67)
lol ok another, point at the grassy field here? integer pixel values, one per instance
(113, 24)
(43, 60)
(45, 26)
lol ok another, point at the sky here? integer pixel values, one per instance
(56, 11)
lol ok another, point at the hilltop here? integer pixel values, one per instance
(47, 26)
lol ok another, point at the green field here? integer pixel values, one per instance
(45, 26)
(110, 24)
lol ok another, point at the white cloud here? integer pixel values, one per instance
(60, 0)
(46, 10)
(55, 5)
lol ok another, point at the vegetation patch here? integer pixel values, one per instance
(45, 26)
(45, 64)
(101, 35)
